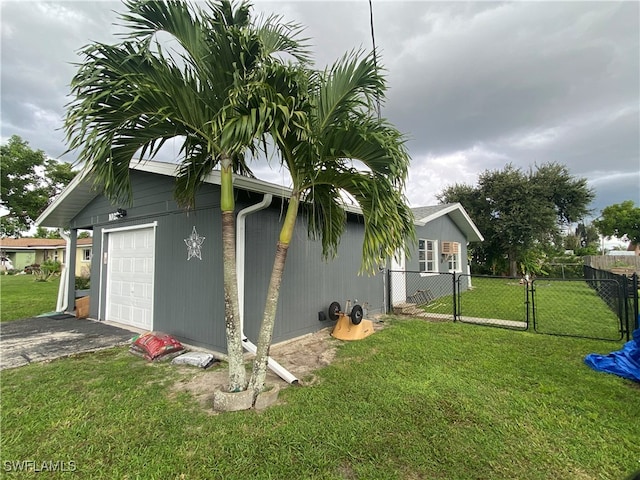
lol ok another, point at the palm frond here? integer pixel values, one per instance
(279, 38)
(326, 217)
(350, 85)
(133, 96)
(388, 220)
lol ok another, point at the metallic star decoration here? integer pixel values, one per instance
(194, 244)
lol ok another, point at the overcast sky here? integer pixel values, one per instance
(474, 86)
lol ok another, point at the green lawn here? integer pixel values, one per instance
(562, 307)
(21, 296)
(416, 400)
(574, 308)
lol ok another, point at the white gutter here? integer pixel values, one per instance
(282, 372)
(63, 289)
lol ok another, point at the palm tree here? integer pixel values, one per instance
(341, 148)
(132, 97)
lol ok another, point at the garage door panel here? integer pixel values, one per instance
(130, 277)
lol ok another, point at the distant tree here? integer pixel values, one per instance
(42, 232)
(620, 220)
(57, 176)
(583, 241)
(588, 240)
(517, 211)
(571, 242)
(28, 182)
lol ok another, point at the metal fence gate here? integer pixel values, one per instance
(601, 305)
(495, 301)
(579, 308)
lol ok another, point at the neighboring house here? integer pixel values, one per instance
(443, 233)
(28, 251)
(158, 267)
(84, 255)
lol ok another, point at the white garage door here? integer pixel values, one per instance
(130, 263)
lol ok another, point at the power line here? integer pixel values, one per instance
(375, 53)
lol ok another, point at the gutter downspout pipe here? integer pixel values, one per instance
(63, 301)
(283, 373)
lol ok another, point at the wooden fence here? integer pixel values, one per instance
(607, 262)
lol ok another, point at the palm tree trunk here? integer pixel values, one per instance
(259, 372)
(237, 374)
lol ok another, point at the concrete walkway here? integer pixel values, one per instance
(46, 338)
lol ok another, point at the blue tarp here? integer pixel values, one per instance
(624, 363)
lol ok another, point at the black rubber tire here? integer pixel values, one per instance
(356, 314)
(334, 311)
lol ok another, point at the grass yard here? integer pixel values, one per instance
(21, 296)
(416, 400)
(500, 298)
(562, 307)
(574, 308)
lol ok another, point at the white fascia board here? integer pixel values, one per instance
(68, 197)
(423, 221)
(30, 248)
(81, 191)
(239, 181)
(460, 218)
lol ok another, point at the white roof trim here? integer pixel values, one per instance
(460, 217)
(77, 194)
(245, 183)
(81, 191)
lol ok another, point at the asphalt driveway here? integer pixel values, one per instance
(46, 338)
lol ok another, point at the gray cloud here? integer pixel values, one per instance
(473, 85)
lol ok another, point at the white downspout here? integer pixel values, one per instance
(282, 372)
(63, 298)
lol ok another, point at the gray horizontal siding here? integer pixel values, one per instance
(153, 195)
(189, 301)
(188, 294)
(309, 283)
(442, 229)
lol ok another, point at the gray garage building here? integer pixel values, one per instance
(158, 267)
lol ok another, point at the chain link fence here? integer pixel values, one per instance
(624, 301)
(578, 308)
(422, 294)
(496, 301)
(600, 305)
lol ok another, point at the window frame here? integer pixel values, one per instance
(424, 262)
(87, 252)
(454, 260)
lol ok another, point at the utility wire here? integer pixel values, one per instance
(375, 54)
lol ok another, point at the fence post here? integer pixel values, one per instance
(528, 301)
(625, 304)
(455, 299)
(387, 293)
(636, 312)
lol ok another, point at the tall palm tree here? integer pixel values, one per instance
(342, 147)
(132, 97)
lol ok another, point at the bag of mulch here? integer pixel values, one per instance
(156, 346)
(197, 359)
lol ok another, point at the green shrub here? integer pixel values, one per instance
(48, 270)
(83, 283)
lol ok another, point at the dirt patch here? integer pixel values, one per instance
(301, 356)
